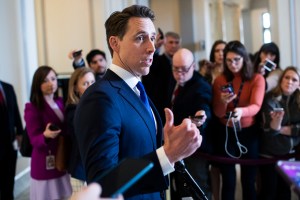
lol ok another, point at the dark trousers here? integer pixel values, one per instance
(7, 174)
(273, 186)
(249, 138)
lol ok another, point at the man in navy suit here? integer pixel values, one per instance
(10, 126)
(112, 122)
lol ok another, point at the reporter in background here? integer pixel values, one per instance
(268, 51)
(96, 60)
(11, 131)
(216, 57)
(44, 109)
(192, 96)
(159, 83)
(281, 132)
(244, 103)
(80, 80)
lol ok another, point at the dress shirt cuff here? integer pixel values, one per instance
(165, 164)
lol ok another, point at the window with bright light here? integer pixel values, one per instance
(266, 21)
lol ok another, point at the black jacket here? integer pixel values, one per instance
(274, 143)
(10, 123)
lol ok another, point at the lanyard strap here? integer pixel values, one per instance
(237, 99)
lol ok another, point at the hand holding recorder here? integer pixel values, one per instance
(199, 118)
(51, 131)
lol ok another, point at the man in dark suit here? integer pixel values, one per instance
(192, 97)
(113, 120)
(159, 83)
(10, 126)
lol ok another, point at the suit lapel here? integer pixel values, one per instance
(134, 101)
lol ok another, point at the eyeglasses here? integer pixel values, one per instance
(234, 60)
(182, 69)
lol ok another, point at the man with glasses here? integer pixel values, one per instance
(191, 97)
(160, 82)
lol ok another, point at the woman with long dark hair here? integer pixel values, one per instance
(237, 97)
(268, 51)
(44, 110)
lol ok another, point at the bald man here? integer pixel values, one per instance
(192, 96)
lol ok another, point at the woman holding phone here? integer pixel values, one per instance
(44, 117)
(237, 97)
(267, 64)
(281, 114)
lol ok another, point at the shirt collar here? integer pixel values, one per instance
(130, 79)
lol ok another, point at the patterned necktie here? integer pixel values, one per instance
(143, 97)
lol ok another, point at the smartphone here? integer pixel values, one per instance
(290, 171)
(227, 88)
(77, 53)
(53, 127)
(269, 65)
(161, 33)
(277, 109)
(120, 178)
(196, 119)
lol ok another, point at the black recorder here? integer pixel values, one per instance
(53, 127)
(77, 53)
(237, 124)
(196, 119)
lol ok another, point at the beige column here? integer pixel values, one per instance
(232, 15)
(217, 20)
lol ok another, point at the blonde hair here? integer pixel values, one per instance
(73, 96)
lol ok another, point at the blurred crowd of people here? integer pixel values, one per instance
(244, 110)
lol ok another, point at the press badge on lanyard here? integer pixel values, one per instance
(50, 161)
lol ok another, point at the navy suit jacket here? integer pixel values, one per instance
(111, 123)
(11, 123)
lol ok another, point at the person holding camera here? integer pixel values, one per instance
(44, 117)
(96, 60)
(266, 63)
(237, 97)
(281, 114)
